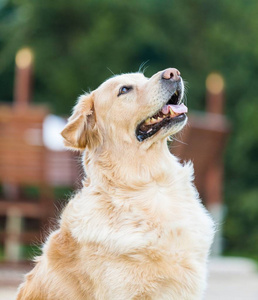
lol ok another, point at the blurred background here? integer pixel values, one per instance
(53, 51)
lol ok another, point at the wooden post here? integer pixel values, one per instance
(215, 93)
(214, 174)
(23, 78)
(22, 95)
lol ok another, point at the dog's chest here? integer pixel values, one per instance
(149, 239)
(168, 224)
(158, 218)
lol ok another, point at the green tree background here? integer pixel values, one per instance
(77, 42)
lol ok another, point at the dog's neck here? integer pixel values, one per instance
(137, 166)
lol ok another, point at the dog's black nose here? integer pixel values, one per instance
(171, 74)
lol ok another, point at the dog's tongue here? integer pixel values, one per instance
(179, 109)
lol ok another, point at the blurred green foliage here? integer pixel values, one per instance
(76, 43)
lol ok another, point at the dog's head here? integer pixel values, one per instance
(128, 108)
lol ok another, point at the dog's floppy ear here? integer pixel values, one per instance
(81, 130)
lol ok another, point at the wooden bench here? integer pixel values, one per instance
(26, 162)
(22, 163)
(203, 142)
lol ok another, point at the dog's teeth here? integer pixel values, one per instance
(153, 120)
(147, 122)
(172, 113)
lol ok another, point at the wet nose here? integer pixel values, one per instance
(171, 74)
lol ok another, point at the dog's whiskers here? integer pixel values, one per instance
(111, 71)
(142, 67)
(172, 138)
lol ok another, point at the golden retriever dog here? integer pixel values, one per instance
(137, 228)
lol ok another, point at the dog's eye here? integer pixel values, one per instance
(124, 90)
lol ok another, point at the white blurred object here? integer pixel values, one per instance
(52, 127)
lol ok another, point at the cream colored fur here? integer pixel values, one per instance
(136, 229)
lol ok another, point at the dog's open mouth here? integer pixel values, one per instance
(171, 113)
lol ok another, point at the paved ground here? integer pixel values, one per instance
(230, 279)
